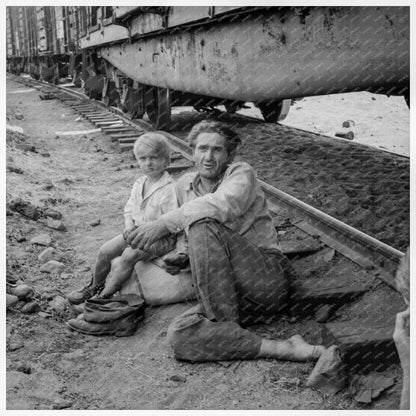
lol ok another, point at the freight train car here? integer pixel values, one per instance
(43, 41)
(147, 59)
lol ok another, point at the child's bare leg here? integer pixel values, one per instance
(108, 251)
(121, 270)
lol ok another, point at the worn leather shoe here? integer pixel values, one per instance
(105, 310)
(122, 327)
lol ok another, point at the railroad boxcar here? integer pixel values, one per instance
(147, 59)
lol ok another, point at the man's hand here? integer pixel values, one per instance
(146, 234)
(175, 262)
(127, 231)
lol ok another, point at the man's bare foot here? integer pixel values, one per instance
(293, 349)
(302, 351)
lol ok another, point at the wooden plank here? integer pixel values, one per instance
(293, 248)
(120, 128)
(123, 135)
(104, 123)
(307, 297)
(365, 345)
(128, 140)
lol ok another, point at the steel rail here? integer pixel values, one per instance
(375, 256)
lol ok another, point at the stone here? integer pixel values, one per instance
(59, 304)
(65, 275)
(11, 300)
(23, 367)
(329, 374)
(95, 223)
(15, 169)
(348, 123)
(14, 346)
(25, 208)
(44, 315)
(48, 254)
(31, 307)
(49, 212)
(55, 224)
(52, 266)
(41, 240)
(26, 147)
(20, 238)
(178, 379)
(48, 186)
(19, 290)
(349, 135)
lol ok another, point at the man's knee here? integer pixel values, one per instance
(203, 226)
(182, 334)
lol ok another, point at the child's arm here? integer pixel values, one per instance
(129, 225)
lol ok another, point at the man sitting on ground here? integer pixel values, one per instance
(241, 276)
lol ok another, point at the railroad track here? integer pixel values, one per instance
(352, 277)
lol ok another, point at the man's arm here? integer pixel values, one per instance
(233, 197)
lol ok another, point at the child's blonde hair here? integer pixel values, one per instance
(154, 141)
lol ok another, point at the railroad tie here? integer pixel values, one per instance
(308, 297)
(365, 345)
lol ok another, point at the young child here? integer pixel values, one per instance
(153, 194)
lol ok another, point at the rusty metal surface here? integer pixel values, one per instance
(283, 52)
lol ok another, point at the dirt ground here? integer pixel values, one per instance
(87, 180)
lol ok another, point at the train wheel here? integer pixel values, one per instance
(274, 111)
(158, 107)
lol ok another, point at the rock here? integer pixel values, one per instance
(13, 346)
(45, 154)
(48, 254)
(23, 367)
(19, 116)
(21, 291)
(329, 375)
(85, 269)
(11, 300)
(48, 186)
(59, 304)
(348, 123)
(25, 208)
(15, 169)
(55, 224)
(49, 212)
(27, 147)
(95, 223)
(349, 135)
(31, 307)
(52, 266)
(44, 315)
(65, 275)
(9, 211)
(41, 240)
(20, 238)
(62, 404)
(177, 378)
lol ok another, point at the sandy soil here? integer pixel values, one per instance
(48, 367)
(375, 119)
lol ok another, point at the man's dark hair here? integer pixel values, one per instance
(206, 126)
